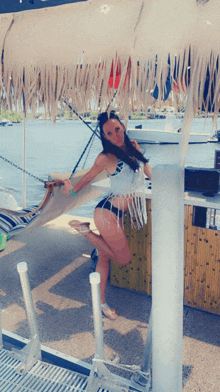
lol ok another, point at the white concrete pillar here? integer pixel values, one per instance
(167, 276)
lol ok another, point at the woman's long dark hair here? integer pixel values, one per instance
(108, 147)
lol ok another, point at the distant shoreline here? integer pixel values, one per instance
(17, 118)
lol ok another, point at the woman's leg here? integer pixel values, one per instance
(112, 243)
(96, 240)
(112, 240)
(112, 235)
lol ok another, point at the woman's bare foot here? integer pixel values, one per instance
(108, 312)
(80, 227)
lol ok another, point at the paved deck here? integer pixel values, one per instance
(58, 269)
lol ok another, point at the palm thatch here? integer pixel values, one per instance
(68, 53)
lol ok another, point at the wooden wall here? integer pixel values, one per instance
(201, 269)
(202, 266)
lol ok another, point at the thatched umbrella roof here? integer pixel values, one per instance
(68, 52)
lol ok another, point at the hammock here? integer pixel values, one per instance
(54, 204)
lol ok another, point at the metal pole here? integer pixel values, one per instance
(24, 162)
(31, 316)
(167, 276)
(94, 279)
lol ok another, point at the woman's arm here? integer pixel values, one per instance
(147, 170)
(100, 164)
(147, 166)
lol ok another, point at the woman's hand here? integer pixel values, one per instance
(68, 187)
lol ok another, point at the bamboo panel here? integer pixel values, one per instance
(200, 270)
(201, 266)
(188, 253)
(147, 244)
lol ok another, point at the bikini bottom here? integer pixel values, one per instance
(104, 203)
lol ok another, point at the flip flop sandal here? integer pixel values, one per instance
(108, 312)
(78, 226)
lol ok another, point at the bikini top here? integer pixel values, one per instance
(118, 168)
(124, 183)
(125, 180)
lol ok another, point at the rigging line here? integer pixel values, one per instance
(82, 155)
(94, 131)
(93, 135)
(111, 100)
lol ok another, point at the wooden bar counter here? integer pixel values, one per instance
(202, 256)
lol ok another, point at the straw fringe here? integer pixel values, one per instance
(88, 85)
(82, 77)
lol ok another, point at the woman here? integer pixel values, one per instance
(126, 166)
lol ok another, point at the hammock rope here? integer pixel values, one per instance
(23, 170)
(49, 185)
(77, 164)
(129, 368)
(84, 151)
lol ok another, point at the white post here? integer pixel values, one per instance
(24, 162)
(94, 279)
(31, 316)
(167, 276)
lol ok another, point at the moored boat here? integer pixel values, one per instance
(156, 136)
(4, 122)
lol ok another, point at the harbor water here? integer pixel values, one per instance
(57, 148)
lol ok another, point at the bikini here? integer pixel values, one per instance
(128, 187)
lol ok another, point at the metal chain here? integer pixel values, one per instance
(24, 171)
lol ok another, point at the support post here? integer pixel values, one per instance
(94, 279)
(167, 276)
(31, 316)
(24, 162)
(100, 377)
(31, 353)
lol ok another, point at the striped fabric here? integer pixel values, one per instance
(9, 223)
(118, 168)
